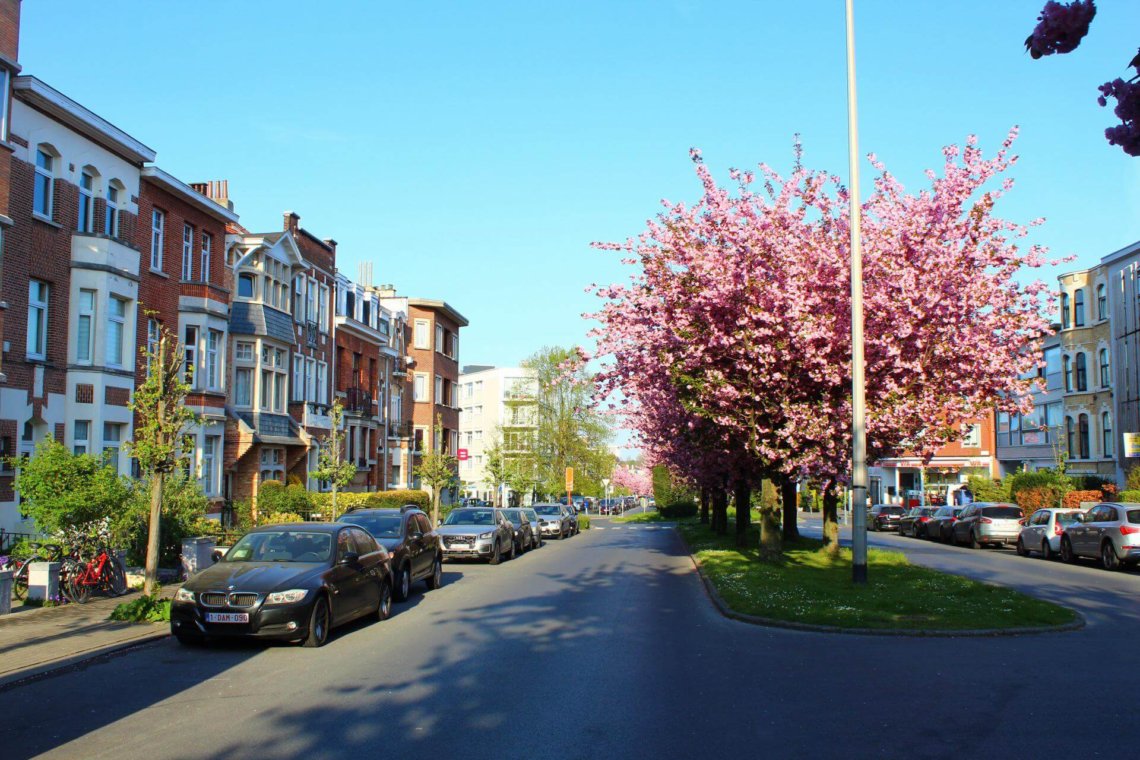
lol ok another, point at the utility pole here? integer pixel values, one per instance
(858, 380)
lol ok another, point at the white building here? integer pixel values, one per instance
(496, 404)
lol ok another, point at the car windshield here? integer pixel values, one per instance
(282, 546)
(513, 515)
(1134, 516)
(1002, 513)
(551, 510)
(380, 526)
(1069, 518)
(471, 517)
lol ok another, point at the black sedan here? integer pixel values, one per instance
(410, 540)
(294, 582)
(525, 532)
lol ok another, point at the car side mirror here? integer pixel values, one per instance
(216, 555)
(350, 558)
(415, 535)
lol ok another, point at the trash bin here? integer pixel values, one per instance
(196, 554)
(43, 581)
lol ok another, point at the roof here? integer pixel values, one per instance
(248, 318)
(443, 306)
(193, 197)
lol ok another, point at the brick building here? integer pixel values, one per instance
(9, 68)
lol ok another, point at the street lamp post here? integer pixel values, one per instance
(858, 380)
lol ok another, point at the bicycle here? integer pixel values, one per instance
(21, 567)
(103, 572)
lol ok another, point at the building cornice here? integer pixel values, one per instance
(176, 186)
(441, 306)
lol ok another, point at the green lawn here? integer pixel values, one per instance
(642, 517)
(811, 587)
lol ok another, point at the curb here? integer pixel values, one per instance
(79, 659)
(727, 611)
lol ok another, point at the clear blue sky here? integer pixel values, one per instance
(472, 151)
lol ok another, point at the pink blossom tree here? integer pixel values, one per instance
(634, 479)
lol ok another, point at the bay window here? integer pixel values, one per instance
(190, 360)
(214, 340)
(116, 330)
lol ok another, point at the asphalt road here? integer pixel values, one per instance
(604, 645)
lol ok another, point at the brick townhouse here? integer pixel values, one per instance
(9, 68)
(361, 331)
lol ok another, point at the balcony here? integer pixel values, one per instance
(358, 400)
(102, 253)
(400, 367)
(312, 334)
(316, 415)
(401, 430)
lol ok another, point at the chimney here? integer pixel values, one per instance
(387, 290)
(10, 21)
(216, 190)
(292, 222)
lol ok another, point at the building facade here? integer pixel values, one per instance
(1122, 273)
(1035, 441)
(894, 480)
(498, 406)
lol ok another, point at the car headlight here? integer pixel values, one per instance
(485, 535)
(184, 595)
(292, 596)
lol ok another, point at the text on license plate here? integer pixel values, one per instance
(227, 617)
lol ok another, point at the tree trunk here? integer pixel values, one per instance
(434, 506)
(771, 541)
(720, 511)
(333, 500)
(150, 583)
(831, 520)
(743, 494)
(704, 505)
(791, 508)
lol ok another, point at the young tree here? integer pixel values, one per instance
(331, 466)
(160, 419)
(66, 492)
(496, 468)
(437, 470)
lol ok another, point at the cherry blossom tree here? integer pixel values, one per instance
(635, 479)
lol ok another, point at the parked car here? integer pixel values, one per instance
(941, 523)
(535, 523)
(884, 517)
(477, 532)
(1043, 529)
(913, 521)
(295, 582)
(411, 542)
(1108, 532)
(573, 515)
(523, 530)
(988, 523)
(553, 520)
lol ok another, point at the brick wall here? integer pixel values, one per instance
(10, 29)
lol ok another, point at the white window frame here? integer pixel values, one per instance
(111, 211)
(973, 436)
(210, 462)
(157, 235)
(81, 444)
(310, 379)
(420, 388)
(85, 350)
(117, 442)
(205, 253)
(115, 350)
(298, 298)
(439, 399)
(310, 299)
(422, 340)
(440, 338)
(153, 333)
(38, 305)
(5, 78)
(187, 252)
(45, 175)
(85, 219)
(298, 393)
(215, 339)
(322, 382)
(324, 308)
(190, 357)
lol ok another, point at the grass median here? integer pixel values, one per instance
(643, 517)
(812, 587)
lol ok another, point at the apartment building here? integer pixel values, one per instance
(497, 405)
(1035, 441)
(1122, 275)
(976, 453)
(362, 332)
(9, 68)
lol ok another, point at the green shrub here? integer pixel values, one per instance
(346, 500)
(396, 499)
(1037, 479)
(988, 489)
(183, 515)
(145, 609)
(274, 496)
(1090, 483)
(678, 510)
(669, 490)
(279, 518)
(1130, 496)
(584, 522)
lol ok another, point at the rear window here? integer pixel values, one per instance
(1002, 513)
(1134, 516)
(1070, 518)
(891, 510)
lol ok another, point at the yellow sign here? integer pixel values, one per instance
(1131, 445)
(569, 479)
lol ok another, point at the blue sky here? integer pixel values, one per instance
(472, 151)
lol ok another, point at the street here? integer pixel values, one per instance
(603, 645)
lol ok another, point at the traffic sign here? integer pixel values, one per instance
(461, 455)
(569, 479)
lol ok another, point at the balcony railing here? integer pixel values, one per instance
(400, 368)
(358, 400)
(401, 429)
(312, 331)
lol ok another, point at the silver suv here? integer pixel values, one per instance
(1108, 532)
(988, 523)
(482, 532)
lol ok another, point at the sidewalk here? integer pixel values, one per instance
(38, 641)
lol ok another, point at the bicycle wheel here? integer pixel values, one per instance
(116, 578)
(71, 581)
(20, 582)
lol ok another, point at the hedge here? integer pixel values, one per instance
(1073, 499)
(346, 500)
(1132, 497)
(678, 509)
(1037, 497)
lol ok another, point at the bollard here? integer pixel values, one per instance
(5, 591)
(43, 581)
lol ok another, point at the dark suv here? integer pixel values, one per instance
(884, 517)
(410, 540)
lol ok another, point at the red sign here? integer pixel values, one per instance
(461, 455)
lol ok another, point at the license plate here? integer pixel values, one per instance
(227, 617)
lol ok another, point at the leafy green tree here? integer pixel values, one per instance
(331, 466)
(437, 470)
(65, 492)
(160, 418)
(183, 514)
(496, 467)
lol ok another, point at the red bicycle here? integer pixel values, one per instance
(102, 573)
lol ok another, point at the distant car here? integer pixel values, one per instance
(1109, 532)
(984, 523)
(523, 530)
(535, 525)
(413, 544)
(911, 524)
(480, 532)
(294, 582)
(1043, 530)
(553, 520)
(884, 517)
(941, 524)
(572, 513)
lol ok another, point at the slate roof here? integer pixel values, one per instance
(258, 319)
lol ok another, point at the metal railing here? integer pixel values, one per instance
(358, 400)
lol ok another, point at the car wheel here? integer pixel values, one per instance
(319, 622)
(1021, 550)
(1066, 550)
(403, 583)
(496, 557)
(1046, 550)
(435, 580)
(874, 527)
(974, 542)
(384, 606)
(1108, 558)
(511, 553)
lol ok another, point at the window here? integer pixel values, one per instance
(157, 225)
(1015, 430)
(187, 252)
(420, 339)
(86, 202)
(244, 352)
(1068, 364)
(1083, 436)
(1051, 419)
(112, 440)
(152, 337)
(439, 399)
(273, 379)
(298, 298)
(1070, 437)
(310, 390)
(1106, 434)
(1064, 311)
(273, 465)
(418, 439)
(322, 383)
(1104, 374)
(243, 382)
(207, 245)
(116, 330)
(45, 183)
(1082, 372)
(350, 304)
(37, 319)
(245, 286)
(420, 388)
(1101, 302)
(81, 436)
(298, 377)
(111, 210)
(190, 361)
(311, 301)
(213, 354)
(324, 306)
(85, 330)
(4, 77)
(210, 461)
(366, 311)
(1079, 308)
(439, 345)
